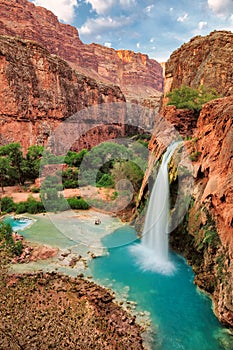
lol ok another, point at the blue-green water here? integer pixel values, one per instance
(181, 315)
(18, 224)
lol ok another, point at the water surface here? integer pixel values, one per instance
(181, 315)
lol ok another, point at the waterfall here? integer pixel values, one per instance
(152, 253)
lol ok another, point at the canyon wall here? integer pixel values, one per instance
(139, 77)
(206, 236)
(39, 91)
(204, 61)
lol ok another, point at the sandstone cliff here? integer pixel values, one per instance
(39, 90)
(206, 238)
(139, 77)
(206, 60)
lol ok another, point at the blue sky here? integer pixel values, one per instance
(155, 27)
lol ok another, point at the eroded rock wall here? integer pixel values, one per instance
(206, 238)
(204, 60)
(139, 77)
(39, 91)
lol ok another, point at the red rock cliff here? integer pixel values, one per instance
(206, 60)
(38, 91)
(139, 77)
(210, 222)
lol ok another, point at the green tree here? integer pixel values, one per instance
(51, 195)
(70, 178)
(5, 169)
(33, 158)
(187, 97)
(14, 154)
(74, 158)
(130, 171)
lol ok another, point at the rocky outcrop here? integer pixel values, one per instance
(39, 91)
(204, 61)
(139, 77)
(170, 125)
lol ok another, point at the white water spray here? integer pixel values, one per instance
(152, 252)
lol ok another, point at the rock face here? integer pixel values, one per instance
(204, 61)
(139, 77)
(206, 239)
(23, 19)
(39, 91)
(213, 168)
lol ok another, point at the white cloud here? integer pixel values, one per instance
(202, 25)
(171, 9)
(138, 45)
(107, 44)
(102, 7)
(152, 40)
(126, 3)
(63, 9)
(182, 18)
(221, 7)
(149, 8)
(102, 24)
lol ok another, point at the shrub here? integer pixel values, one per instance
(6, 239)
(7, 205)
(17, 248)
(187, 97)
(78, 203)
(106, 181)
(31, 206)
(35, 189)
(21, 208)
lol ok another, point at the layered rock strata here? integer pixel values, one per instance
(205, 236)
(139, 77)
(206, 60)
(39, 91)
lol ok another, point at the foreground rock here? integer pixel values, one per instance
(46, 311)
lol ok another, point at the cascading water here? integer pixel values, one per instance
(152, 252)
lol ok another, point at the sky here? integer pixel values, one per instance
(154, 27)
